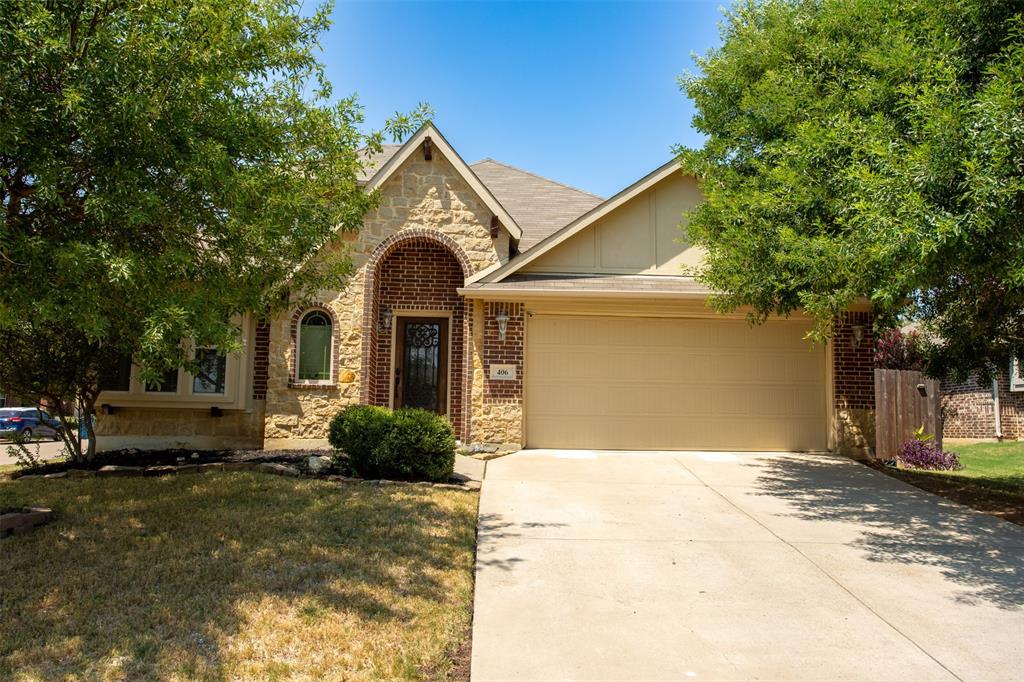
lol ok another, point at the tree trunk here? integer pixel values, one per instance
(72, 442)
(88, 409)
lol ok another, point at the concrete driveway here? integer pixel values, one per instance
(694, 566)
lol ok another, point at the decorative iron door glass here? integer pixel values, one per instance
(421, 375)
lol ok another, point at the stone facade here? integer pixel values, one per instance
(428, 219)
(854, 384)
(968, 409)
(164, 428)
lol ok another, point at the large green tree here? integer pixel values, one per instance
(868, 149)
(165, 166)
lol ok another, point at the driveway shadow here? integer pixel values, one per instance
(901, 524)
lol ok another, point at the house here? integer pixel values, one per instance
(973, 409)
(528, 312)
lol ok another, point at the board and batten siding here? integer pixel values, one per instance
(641, 237)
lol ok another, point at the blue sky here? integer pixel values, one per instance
(581, 92)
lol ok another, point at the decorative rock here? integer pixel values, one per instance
(163, 470)
(278, 469)
(21, 522)
(318, 463)
(448, 486)
(211, 466)
(81, 473)
(471, 485)
(188, 469)
(112, 470)
(59, 474)
(239, 466)
(488, 447)
(27, 476)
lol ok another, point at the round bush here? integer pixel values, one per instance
(419, 447)
(357, 431)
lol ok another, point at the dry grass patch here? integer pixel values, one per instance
(235, 576)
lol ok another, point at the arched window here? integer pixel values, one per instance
(314, 347)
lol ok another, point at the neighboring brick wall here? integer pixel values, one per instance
(967, 409)
(421, 275)
(260, 360)
(854, 385)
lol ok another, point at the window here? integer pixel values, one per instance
(1016, 376)
(211, 372)
(168, 385)
(314, 347)
(117, 377)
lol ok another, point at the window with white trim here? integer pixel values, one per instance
(315, 343)
(211, 372)
(1016, 379)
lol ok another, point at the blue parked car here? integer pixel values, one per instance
(28, 423)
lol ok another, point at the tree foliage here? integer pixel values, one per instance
(165, 167)
(868, 148)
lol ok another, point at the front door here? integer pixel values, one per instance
(421, 363)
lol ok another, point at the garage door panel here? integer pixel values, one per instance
(646, 383)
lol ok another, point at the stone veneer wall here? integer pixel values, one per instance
(968, 412)
(421, 197)
(497, 404)
(854, 385)
(171, 428)
(421, 276)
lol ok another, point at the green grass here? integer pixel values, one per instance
(999, 466)
(235, 576)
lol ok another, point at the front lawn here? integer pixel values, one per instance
(236, 576)
(991, 481)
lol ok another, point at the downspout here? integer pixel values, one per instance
(995, 408)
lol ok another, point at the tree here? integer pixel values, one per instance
(868, 149)
(165, 167)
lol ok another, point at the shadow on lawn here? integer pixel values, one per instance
(154, 573)
(983, 555)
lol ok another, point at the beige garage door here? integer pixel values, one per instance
(629, 383)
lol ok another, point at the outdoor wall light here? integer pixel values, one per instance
(502, 320)
(385, 319)
(858, 335)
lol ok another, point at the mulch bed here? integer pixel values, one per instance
(979, 497)
(147, 458)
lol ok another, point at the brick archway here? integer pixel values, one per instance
(416, 269)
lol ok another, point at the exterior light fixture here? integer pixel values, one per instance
(858, 335)
(502, 320)
(385, 319)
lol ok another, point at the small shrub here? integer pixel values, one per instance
(926, 454)
(357, 430)
(896, 350)
(420, 446)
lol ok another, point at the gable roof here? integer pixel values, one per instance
(540, 206)
(387, 167)
(580, 223)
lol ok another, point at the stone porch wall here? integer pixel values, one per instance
(171, 428)
(420, 196)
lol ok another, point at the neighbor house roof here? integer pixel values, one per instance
(540, 206)
(374, 160)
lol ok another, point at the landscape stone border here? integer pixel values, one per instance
(16, 523)
(274, 468)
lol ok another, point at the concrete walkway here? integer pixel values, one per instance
(737, 566)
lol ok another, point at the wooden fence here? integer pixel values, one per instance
(904, 401)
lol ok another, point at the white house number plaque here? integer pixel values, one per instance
(503, 372)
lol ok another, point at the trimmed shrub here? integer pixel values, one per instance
(921, 454)
(357, 431)
(420, 446)
(896, 350)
